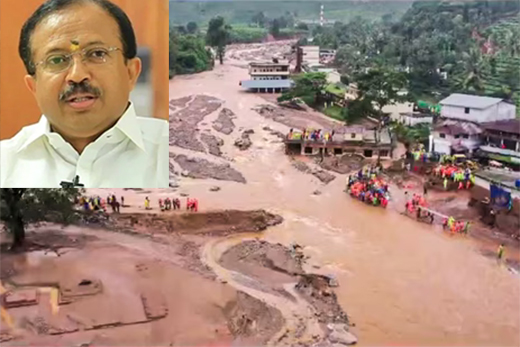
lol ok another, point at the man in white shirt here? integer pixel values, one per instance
(80, 57)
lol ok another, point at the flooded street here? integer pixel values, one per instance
(400, 282)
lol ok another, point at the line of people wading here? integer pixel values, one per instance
(96, 203)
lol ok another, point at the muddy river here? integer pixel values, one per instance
(401, 282)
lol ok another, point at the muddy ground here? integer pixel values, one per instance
(200, 168)
(261, 51)
(188, 131)
(96, 298)
(224, 122)
(184, 122)
(310, 168)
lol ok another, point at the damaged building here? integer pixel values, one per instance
(346, 140)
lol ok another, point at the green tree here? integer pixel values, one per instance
(259, 19)
(192, 27)
(302, 26)
(275, 27)
(188, 54)
(173, 52)
(475, 67)
(20, 207)
(218, 35)
(381, 87)
(307, 86)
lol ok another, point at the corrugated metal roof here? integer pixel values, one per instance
(471, 101)
(267, 84)
(508, 126)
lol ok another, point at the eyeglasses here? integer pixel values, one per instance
(57, 63)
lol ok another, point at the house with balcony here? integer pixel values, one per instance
(500, 141)
(268, 77)
(461, 118)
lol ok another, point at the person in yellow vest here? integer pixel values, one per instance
(500, 253)
(146, 203)
(451, 221)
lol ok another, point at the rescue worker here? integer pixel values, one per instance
(500, 253)
(146, 203)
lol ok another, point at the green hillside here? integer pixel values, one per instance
(182, 12)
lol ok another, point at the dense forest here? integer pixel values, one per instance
(188, 52)
(443, 46)
(241, 11)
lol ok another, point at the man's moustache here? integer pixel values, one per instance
(79, 88)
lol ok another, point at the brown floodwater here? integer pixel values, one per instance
(401, 282)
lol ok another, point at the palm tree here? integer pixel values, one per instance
(475, 66)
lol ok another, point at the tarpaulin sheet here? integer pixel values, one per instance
(499, 196)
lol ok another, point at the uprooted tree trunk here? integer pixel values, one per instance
(14, 218)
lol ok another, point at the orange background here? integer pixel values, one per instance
(17, 105)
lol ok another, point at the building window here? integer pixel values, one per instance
(308, 150)
(465, 136)
(442, 135)
(457, 136)
(384, 152)
(352, 136)
(466, 110)
(338, 151)
(367, 153)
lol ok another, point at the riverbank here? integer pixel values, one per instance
(399, 280)
(157, 290)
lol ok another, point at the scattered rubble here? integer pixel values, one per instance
(297, 119)
(183, 123)
(20, 297)
(342, 164)
(224, 122)
(251, 321)
(322, 175)
(244, 142)
(214, 189)
(213, 143)
(203, 169)
(315, 289)
(276, 133)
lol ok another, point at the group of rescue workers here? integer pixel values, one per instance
(368, 187)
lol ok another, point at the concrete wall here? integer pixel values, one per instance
(17, 105)
(260, 69)
(311, 54)
(411, 121)
(352, 136)
(441, 145)
(329, 150)
(257, 78)
(396, 110)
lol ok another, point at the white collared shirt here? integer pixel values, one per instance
(131, 154)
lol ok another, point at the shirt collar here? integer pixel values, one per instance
(127, 124)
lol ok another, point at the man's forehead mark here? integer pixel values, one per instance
(74, 45)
